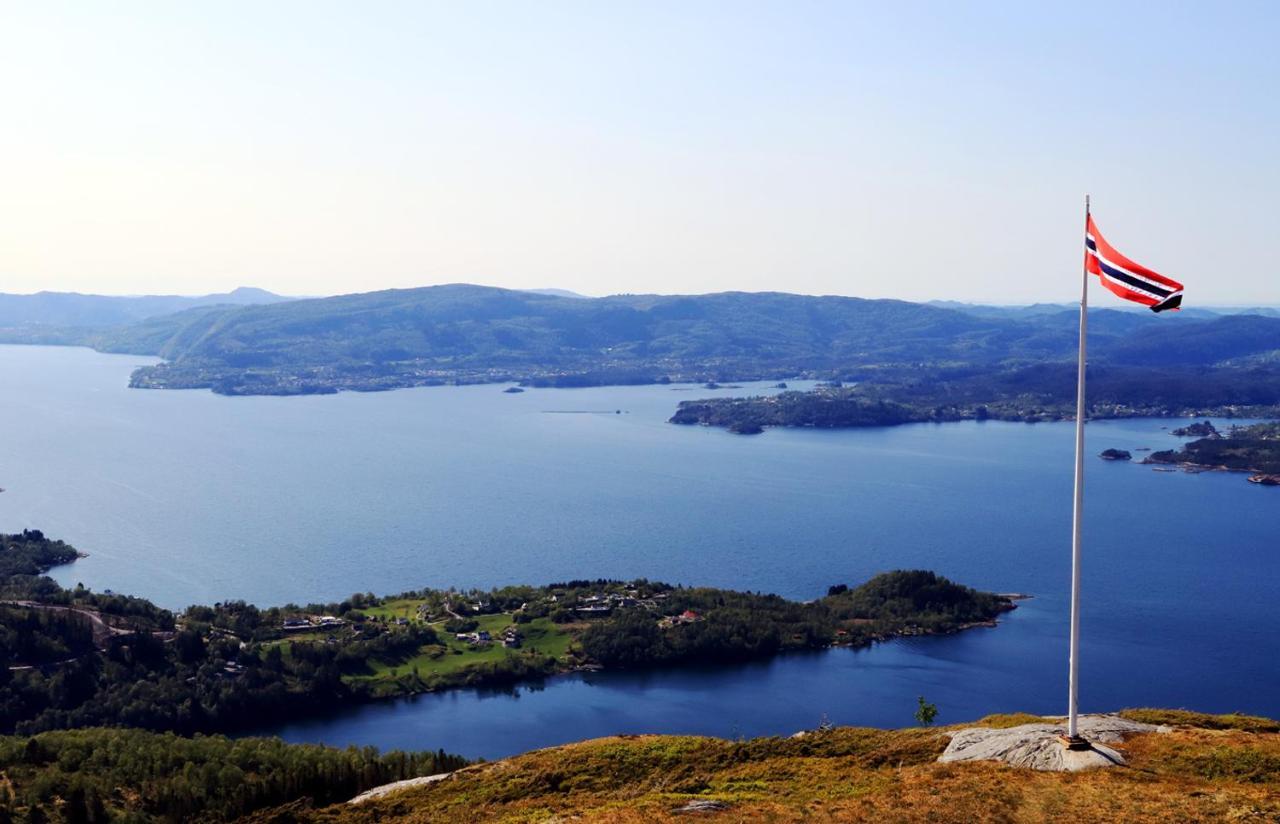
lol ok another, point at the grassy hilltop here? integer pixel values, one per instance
(1210, 768)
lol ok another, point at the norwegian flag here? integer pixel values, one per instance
(1127, 279)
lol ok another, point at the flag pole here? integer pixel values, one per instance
(1073, 734)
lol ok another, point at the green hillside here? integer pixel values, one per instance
(475, 334)
(464, 333)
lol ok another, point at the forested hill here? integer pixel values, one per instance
(485, 327)
(465, 333)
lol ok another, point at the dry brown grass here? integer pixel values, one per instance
(1221, 771)
(1186, 718)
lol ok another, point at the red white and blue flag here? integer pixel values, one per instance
(1127, 279)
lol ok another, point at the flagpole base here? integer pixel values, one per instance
(1075, 743)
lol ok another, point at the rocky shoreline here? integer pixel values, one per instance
(1253, 449)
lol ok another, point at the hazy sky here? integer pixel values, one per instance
(914, 150)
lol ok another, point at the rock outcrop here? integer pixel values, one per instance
(1040, 746)
(398, 786)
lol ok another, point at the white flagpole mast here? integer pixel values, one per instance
(1073, 734)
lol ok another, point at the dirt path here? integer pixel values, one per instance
(102, 631)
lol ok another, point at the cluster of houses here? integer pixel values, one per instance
(310, 622)
(686, 617)
(510, 637)
(600, 605)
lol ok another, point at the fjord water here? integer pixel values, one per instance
(188, 497)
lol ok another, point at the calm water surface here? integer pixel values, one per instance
(189, 497)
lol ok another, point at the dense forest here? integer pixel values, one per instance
(731, 626)
(30, 553)
(186, 675)
(36, 637)
(101, 775)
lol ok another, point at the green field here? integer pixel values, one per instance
(541, 636)
(396, 608)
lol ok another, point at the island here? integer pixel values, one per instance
(1115, 455)
(1254, 449)
(233, 666)
(1203, 429)
(1032, 395)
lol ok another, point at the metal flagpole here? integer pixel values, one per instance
(1073, 735)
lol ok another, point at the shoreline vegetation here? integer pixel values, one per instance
(1032, 397)
(74, 658)
(1254, 449)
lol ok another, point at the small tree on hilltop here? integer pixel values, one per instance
(925, 712)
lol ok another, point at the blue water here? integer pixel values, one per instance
(190, 497)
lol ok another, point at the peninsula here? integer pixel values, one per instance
(233, 666)
(1027, 395)
(1254, 449)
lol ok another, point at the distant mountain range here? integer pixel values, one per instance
(70, 309)
(562, 293)
(466, 333)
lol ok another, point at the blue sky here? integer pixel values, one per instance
(915, 150)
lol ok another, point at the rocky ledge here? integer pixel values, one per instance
(1040, 746)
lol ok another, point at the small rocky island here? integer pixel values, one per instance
(513, 390)
(1115, 455)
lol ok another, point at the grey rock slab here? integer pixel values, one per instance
(1039, 746)
(397, 786)
(702, 805)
